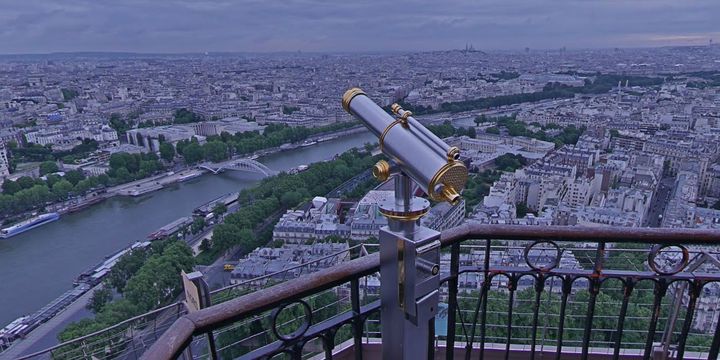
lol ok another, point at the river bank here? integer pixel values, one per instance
(160, 181)
(41, 264)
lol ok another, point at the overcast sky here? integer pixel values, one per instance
(41, 26)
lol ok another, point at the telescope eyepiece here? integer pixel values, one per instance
(381, 170)
(450, 195)
(395, 108)
(453, 154)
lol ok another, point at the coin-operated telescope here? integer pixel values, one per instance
(409, 253)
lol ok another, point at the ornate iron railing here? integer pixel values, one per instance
(499, 281)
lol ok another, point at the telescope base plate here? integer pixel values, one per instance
(415, 210)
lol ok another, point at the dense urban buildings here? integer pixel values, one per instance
(591, 138)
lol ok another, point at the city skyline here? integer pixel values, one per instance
(122, 171)
(180, 26)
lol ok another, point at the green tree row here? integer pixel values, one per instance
(602, 83)
(274, 194)
(34, 152)
(568, 134)
(446, 129)
(225, 145)
(146, 279)
(125, 167)
(274, 136)
(27, 193)
(192, 152)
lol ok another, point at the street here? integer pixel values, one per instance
(659, 202)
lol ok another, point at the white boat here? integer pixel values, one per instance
(28, 224)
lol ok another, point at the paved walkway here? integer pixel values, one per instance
(45, 335)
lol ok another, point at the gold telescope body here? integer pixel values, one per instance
(420, 154)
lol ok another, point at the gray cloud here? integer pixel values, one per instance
(32, 26)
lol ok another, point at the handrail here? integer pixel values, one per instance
(179, 335)
(271, 275)
(85, 337)
(662, 236)
(180, 303)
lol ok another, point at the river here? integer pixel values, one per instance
(39, 265)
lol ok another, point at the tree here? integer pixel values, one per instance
(51, 179)
(444, 130)
(85, 185)
(219, 209)
(290, 198)
(167, 151)
(183, 116)
(98, 300)
(150, 283)
(26, 182)
(521, 209)
(510, 162)
(287, 110)
(493, 130)
(192, 153)
(717, 205)
(10, 187)
(74, 176)
(62, 189)
(48, 167)
(471, 132)
(123, 175)
(118, 124)
(225, 235)
(118, 160)
(148, 167)
(215, 151)
(126, 267)
(480, 120)
(197, 225)
(158, 281)
(180, 146)
(69, 94)
(103, 179)
(7, 203)
(204, 245)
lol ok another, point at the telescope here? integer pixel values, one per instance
(409, 253)
(420, 154)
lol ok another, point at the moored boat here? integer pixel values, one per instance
(28, 224)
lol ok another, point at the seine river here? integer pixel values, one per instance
(39, 265)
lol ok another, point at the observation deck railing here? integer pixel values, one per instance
(510, 292)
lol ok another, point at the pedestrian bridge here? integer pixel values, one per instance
(245, 164)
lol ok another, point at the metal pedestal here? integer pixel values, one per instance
(410, 276)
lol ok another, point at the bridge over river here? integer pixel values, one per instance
(242, 164)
